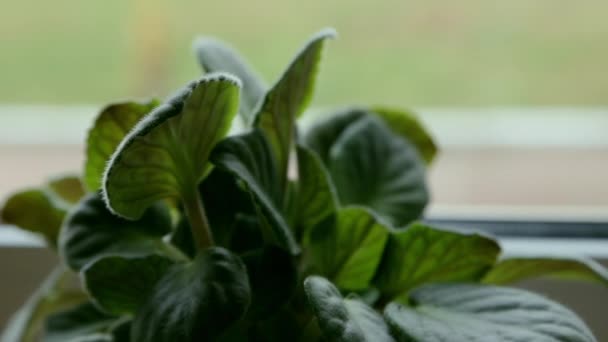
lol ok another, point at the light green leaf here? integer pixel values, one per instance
(406, 125)
(195, 301)
(120, 285)
(343, 319)
(79, 324)
(465, 312)
(111, 126)
(515, 269)
(165, 155)
(347, 250)
(372, 167)
(69, 188)
(215, 55)
(54, 294)
(249, 159)
(288, 98)
(92, 231)
(316, 198)
(423, 254)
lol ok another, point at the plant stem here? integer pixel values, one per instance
(198, 220)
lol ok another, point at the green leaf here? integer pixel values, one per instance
(288, 98)
(370, 166)
(54, 294)
(165, 155)
(79, 324)
(120, 285)
(92, 231)
(273, 277)
(316, 197)
(111, 126)
(36, 210)
(515, 269)
(343, 319)
(423, 254)
(406, 125)
(465, 312)
(69, 188)
(196, 301)
(249, 159)
(348, 250)
(215, 55)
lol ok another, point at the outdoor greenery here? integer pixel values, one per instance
(212, 216)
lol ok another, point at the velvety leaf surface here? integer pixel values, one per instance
(195, 301)
(316, 196)
(370, 166)
(165, 155)
(348, 250)
(406, 125)
(79, 324)
(92, 231)
(215, 55)
(464, 312)
(422, 254)
(36, 210)
(249, 158)
(343, 320)
(511, 270)
(54, 294)
(69, 188)
(120, 285)
(111, 126)
(288, 98)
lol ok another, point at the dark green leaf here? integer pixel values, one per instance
(120, 285)
(92, 231)
(249, 159)
(215, 55)
(288, 98)
(344, 319)
(82, 323)
(464, 312)
(195, 301)
(55, 294)
(371, 166)
(515, 269)
(165, 155)
(406, 125)
(347, 250)
(316, 197)
(111, 126)
(422, 254)
(68, 188)
(273, 277)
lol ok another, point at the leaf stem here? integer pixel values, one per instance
(199, 225)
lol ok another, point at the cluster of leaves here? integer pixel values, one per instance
(180, 230)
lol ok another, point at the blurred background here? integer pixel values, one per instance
(515, 92)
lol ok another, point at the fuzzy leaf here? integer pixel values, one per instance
(372, 167)
(347, 250)
(111, 126)
(195, 301)
(511, 270)
(249, 159)
(464, 312)
(165, 155)
(120, 285)
(316, 196)
(343, 319)
(422, 254)
(79, 324)
(92, 231)
(215, 55)
(288, 98)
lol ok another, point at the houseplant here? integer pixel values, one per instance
(181, 230)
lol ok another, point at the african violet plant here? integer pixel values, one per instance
(182, 231)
